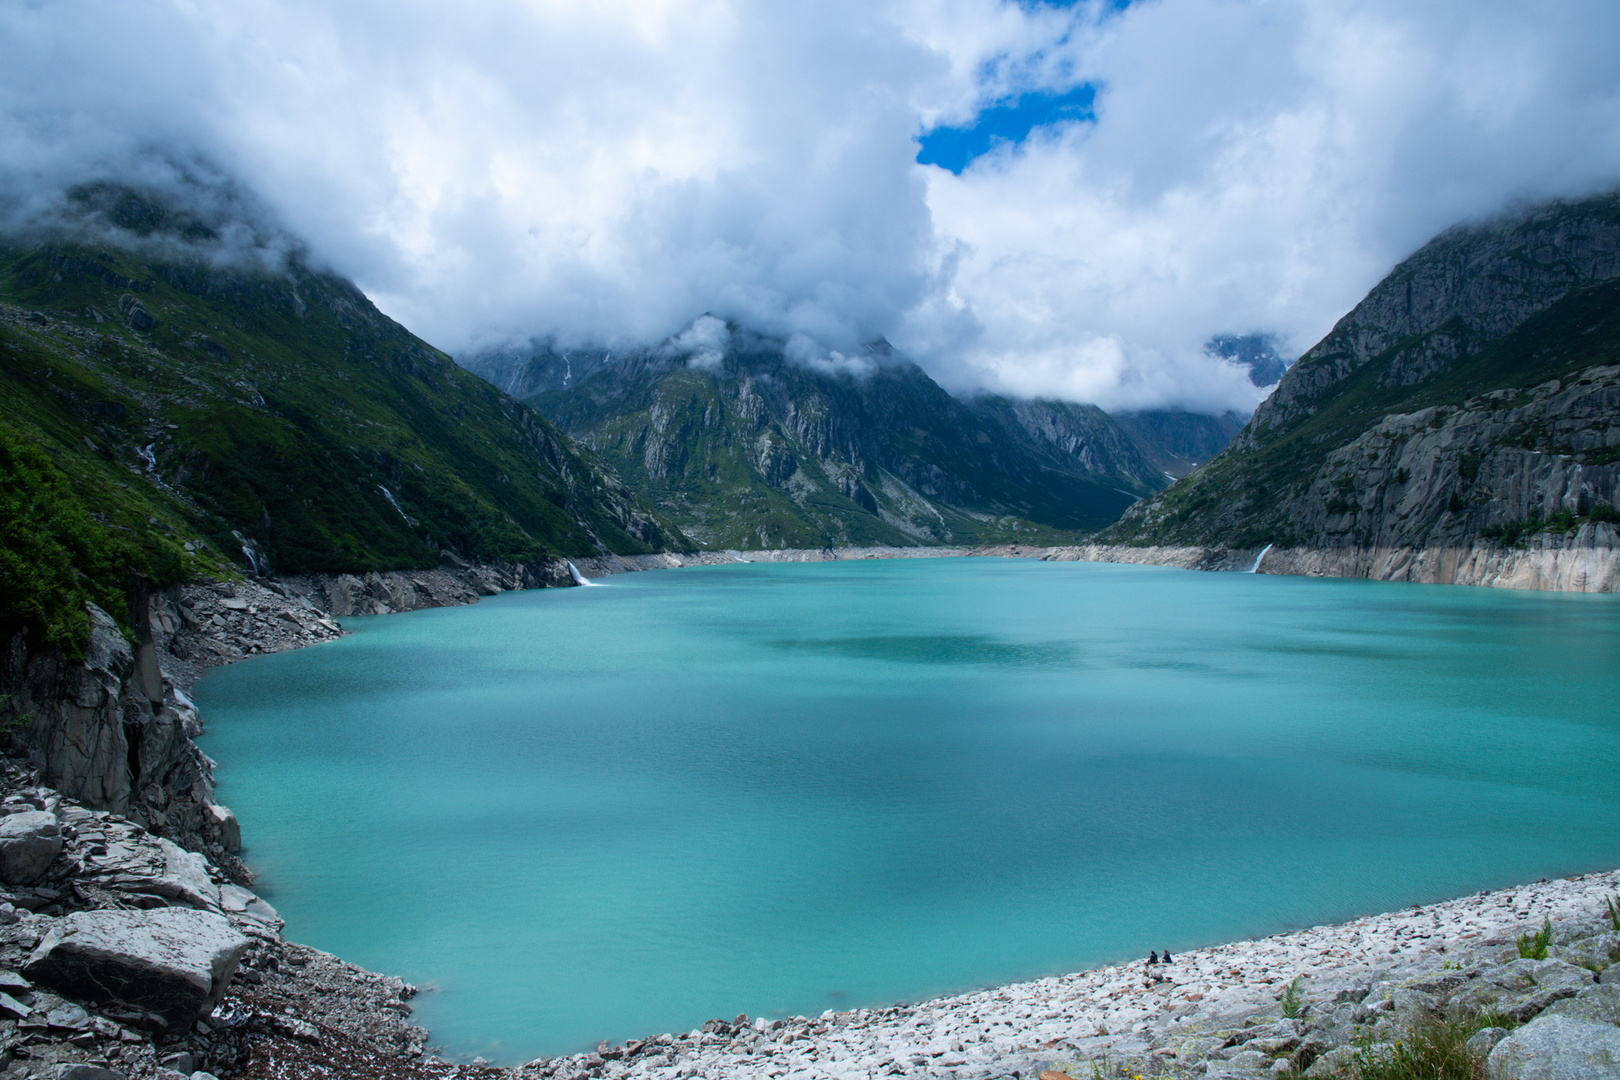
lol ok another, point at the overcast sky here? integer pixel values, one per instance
(1108, 187)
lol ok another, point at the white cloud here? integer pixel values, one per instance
(1256, 166)
(506, 168)
(807, 352)
(703, 343)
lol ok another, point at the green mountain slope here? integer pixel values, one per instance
(1469, 393)
(208, 417)
(744, 447)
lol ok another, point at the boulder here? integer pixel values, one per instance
(171, 962)
(80, 1071)
(1483, 1041)
(225, 827)
(1523, 988)
(1557, 1048)
(236, 900)
(29, 843)
(1600, 1003)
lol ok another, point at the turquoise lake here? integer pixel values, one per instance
(598, 813)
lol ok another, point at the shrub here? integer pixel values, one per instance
(1535, 948)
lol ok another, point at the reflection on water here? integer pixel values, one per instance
(939, 649)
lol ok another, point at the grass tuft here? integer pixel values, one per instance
(1433, 1050)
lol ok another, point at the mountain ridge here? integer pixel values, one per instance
(747, 441)
(1469, 403)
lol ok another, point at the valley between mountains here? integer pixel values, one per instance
(202, 458)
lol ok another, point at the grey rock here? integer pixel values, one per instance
(1597, 951)
(79, 717)
(1522, 988)
(1249, 1061)
(199, 1075)
(226, 828)
(1600, 1003)
(171, 962)
(1559, 975)
(158, 867)
(1610, 976)
(1412, 1004)
(13, 983)
(1483, 1041)
(236, 900)
(10, 1006)
(80, 1071)
(68, 1016)
(29, 843)
(182, 1062)
(1557, 1048)
(1334, 1063)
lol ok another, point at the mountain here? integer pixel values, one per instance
(1177, 441)
(746, 441)
(174, 406)
(1471, 401)
(1088, 440)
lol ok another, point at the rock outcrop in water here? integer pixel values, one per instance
(1462, 424)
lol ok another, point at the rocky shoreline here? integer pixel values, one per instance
(1220, 1012)
(1586, 560)
(101, 775)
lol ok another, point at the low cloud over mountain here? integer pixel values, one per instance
(1128, 184)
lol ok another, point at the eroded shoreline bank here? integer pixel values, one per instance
(1587, 560)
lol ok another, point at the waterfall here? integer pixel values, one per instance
(579, 578)
(389, 495)
(1255, 569)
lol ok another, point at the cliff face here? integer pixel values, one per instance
(1463, 290)
(111, 732)
(1470, 405)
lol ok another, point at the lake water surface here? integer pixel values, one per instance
(599, 813)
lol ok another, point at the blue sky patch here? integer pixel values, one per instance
(1008, 121)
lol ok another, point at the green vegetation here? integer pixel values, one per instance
(1515, 533)
(1535, 947)
(758, 452)
(1433, 1050)
(1614, 912)
(1293, 998)
(55, 555)
(167, 416)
